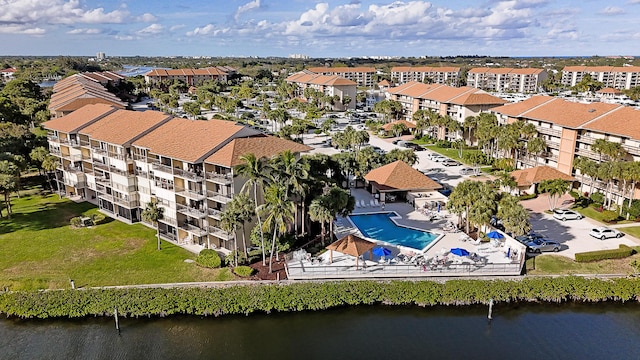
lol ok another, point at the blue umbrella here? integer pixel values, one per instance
(459, 252)
(381, 251)
(494, 235)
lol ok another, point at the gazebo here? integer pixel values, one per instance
(528, 179)
(350, 245)
(388, 127)
(399, 177)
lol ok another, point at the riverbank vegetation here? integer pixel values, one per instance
(310, 296)
(43, 251)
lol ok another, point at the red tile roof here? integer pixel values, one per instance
(123, 126)
(78, 119)
(261, 146)
(400, 176)
(535, 175)
(322, 70)
(409, 125)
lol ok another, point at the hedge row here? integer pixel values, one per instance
(309, 296)
(622, 252)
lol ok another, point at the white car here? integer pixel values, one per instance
(438, 158)
(566, 214)
(604, 232)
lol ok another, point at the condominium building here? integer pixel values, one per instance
(526, 80)
(570, 128)
(363, 76)
(191, 77)
(331, 85)
(121, 160)
(617, 77)
(426, 74)
(78, 90)
(456, 102)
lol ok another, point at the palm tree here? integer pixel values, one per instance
(555, 189)
(229, 222)
(49, 165)
(9, 177)
(398, 128)
(470, 123)
(292, 173)
(408, 156)
(152, 213)
(320, 212)
(256, 174)
(279, 212)
(244, 209)
(515, 217)
(536, 146)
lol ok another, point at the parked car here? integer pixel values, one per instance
(604, 232)
(524, 239)
(540, 245)
(438, 158)
(433, 155)
(450, 162)
(379, 150)
(566, 214)
(415, 147)
(467, 171)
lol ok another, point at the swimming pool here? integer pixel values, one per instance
(380, 227)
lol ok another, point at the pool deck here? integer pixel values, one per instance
(492, 257)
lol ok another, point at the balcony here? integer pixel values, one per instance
(216, 214)
(106, 197)
(191, 211)
(193, 229)
(85, 143)
(191, 194)
(223, 179)
(168, 236)
(123, 157)
(160, 167)
(169, 221)
(55, 151)
(126, 203)
(72, 158)
(549, 131)
(75, 184)
(103, 181)
(585, 139)
(97, 150)
(219, 233)
(141, 173)
(101, 166)
(53, 139)
(221, 198)
(191, 175)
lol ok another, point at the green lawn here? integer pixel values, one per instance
(557, 264)
(41, 251)
(592, 213)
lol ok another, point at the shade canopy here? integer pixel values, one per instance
(350, 245)
(494, 235)
(459, 252)
(381, 251)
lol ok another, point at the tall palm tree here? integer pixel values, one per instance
(320, 212)
(555, 189)
(398, 128)
(256, 174)
(229, 222)
(515, 217)
(9, 181)
(292, 172)
(244, 209)
(49, 165)
(536, 146)
(152, 213)
(470, 123)
(278, 210)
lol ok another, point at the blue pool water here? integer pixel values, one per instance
(380, 227)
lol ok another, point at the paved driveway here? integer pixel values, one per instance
(573, 235)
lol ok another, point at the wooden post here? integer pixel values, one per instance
(115, 315)
(490, 309)
(73, 284)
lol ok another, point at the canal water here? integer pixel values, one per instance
(604, 331)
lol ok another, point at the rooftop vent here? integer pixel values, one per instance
(591, 110)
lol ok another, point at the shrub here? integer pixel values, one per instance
(443, 144)
(597, 198)
(622, 252)
(574, 194)
(76, 222)
(244, 271)
(209, 258)
(97, 218)
(609, 216)
(527, 196)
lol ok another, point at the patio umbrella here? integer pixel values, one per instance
(459, 252)
(350, 245)
(494, 235)
(381, 251)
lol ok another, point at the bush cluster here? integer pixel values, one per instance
(209, 258)
(445, 144)
(622, 252)
(257, 298)
(244, 271)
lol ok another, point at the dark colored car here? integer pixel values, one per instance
(540, 245)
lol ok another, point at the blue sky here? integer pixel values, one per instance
(333, 28)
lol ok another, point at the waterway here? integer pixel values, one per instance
(603, 331)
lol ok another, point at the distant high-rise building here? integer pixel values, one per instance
(298, 56)
(101, 56)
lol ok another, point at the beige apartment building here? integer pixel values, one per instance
(525, 80)
(78, 90)
(427, 74)
(121, 160)
(570, 128)
(617, 77)
(362, 75)
(332, 85)
(191, 77)
(456, 102)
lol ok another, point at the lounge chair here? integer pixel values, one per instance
(376, 202)
(364, 203)
(372, 203)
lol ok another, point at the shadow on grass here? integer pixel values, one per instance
(37, 212)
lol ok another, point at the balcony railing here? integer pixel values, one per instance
(75, 184)
(97, 150)
(219, 233)
(191, 211)
(170, 221)
(85, 143)
(160, 167)
(193, 229)
(191, 175)
(168, 236)
(549, 131)
(222, 198)
(141, 158)
(198, 195)
(99, 165)
(72, 158)
(224, 179)
(103, 180)
(141, 173)
(126, 203)
(106, 197)
(216, 214)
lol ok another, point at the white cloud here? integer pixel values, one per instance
(146, 17)
(252, 5)
(18, 29)
(84, 31)
(151, 30)
(612, 10)
(177, 27)
(124, 37)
